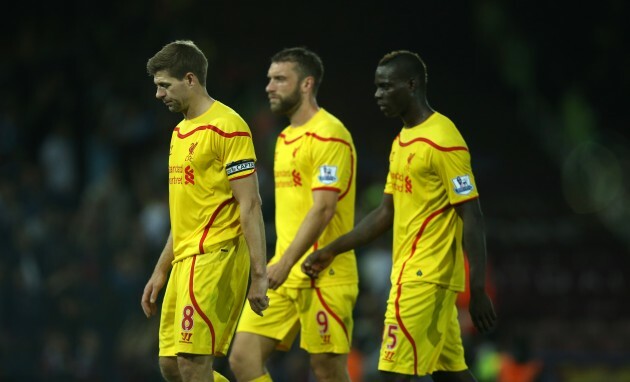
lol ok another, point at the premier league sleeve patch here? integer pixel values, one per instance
(240, 166)
(327, 174)
(462, 184)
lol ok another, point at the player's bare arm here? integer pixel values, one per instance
(369, 228)
(158, 279)
(245, 192)
(316, 220)
(481, 309)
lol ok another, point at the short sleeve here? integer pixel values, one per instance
(455, 171)
(237, 150)
(333, 163)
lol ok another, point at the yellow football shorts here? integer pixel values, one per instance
(421, 333)
(203, 300)
(322, 316)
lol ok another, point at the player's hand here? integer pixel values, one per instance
(277, 274)
(482, 312)
(257, 295)
(150, 294)
(317, 262)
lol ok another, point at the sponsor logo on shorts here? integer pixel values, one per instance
(186, 337)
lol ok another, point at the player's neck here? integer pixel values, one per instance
(304, 113)
(198, 106)
(417, 115)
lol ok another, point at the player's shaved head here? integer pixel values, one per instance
(407, 64)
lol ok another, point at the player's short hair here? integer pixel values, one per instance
(409, 63)
(178, 58)
(308, 63)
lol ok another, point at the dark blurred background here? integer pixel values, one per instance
(539, 91)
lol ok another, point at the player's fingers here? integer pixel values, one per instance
(154, 293)
(258, 307)
(144, 303)
(484, 323)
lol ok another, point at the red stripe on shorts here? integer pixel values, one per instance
(399, 291)
(404, 329)
(195, 304)
(330, 311)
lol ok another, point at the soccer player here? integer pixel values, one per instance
(315, 172)
(216, 222)
(432, 202)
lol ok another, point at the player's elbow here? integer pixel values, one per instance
(326, 212)
(250, 205)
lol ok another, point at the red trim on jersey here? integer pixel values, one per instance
(404, 329)
(207, 228)
(213, 128)
(326, 189)
(284, 138)
(242, 176)
(351, 158)
(328, 309)
(418, 236)
(430, 142)
(194, 301)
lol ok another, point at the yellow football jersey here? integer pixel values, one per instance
(429, 173)
(318, 155)
(206, 153)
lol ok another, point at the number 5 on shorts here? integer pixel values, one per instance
(391, 333)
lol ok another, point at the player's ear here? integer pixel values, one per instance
(307, 83)
(413, 84)
(190, 78)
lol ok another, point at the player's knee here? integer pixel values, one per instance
(169, 369)
(329, 368)
(239, 359)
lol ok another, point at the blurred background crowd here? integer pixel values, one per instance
(538, 95)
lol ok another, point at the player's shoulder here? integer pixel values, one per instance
(444, 132)
(226, 119)
(329, 126)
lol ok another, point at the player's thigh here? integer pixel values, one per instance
(452, 356)
(280, 321)
(416, 320)
(168, 326)
(211, 289)
(326, 318)
(250, 348)
(329, 365)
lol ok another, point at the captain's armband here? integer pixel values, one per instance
(240, 166)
